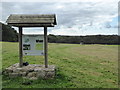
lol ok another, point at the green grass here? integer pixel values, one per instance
(39, 46)
(79, 66)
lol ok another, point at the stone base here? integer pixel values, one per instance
(32, 71)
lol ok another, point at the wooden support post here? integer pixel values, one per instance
(45, 47)
(20, 48)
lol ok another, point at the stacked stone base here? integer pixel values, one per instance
(32, 71)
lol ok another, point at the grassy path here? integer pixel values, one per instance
(79, 66)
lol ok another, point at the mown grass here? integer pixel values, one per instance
(78, 66)
(39, 46)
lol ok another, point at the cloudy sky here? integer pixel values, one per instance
(76, 17)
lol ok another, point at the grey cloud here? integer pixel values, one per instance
(85, 12)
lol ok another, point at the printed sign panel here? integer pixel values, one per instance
(33, 44)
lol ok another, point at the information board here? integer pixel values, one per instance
(33, 44)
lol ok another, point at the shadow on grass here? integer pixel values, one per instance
(60, 81)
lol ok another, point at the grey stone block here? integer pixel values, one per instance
(32, 74)
(41, 74)
(50, 75)
(32, 71)
(13, 75)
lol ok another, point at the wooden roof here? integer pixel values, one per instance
(31, 20)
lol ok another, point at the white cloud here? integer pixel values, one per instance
(60, 7)
(72, 16)
(59, 0)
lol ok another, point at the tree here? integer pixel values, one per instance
(8, 33)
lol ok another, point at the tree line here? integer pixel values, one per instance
(9, 34)
(89, 39)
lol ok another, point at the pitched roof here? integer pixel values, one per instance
(32, 20)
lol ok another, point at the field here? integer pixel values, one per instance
(78, 66)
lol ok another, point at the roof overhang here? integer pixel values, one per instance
(31, 20)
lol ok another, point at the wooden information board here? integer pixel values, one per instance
(33, 44)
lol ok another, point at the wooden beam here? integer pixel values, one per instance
(45, 47)
(20, 48)
(30, 25)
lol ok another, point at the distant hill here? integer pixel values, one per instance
(8, 33)
(11, 35)
(91, 39)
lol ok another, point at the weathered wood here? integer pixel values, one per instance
(32, 20)
(41, 20)
(45, 47)
(35, 20)
(31, 25)
(20, 48)
(31, 16)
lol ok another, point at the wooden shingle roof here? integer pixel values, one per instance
(31, 20)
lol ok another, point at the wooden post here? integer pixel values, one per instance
(20, 48)
(45, 47)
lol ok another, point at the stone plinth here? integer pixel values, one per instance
(32, 71)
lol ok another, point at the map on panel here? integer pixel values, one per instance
(33, 44)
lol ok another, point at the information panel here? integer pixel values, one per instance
(33, 44)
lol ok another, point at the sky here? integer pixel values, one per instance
(74, 17)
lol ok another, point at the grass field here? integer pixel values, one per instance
(78, 66)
